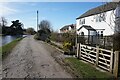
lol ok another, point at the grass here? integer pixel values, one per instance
(4, 50)
(1, 34)
(85, 70)
(119, 72)
(56, 45)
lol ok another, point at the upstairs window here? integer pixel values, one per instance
(101, 17)
(82, 21)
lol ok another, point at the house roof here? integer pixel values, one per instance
(100, 9)
(87, 27)
(67, 26)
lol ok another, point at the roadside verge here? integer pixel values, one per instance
(78, 68)
(6, 49)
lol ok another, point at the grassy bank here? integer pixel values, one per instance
(1, 34)
(55, 45)
(84, 70)
(4, 50)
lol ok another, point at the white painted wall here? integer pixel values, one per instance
(83, 30)
(90, 21)
(69, 28)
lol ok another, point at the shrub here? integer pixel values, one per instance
(47, 40)
(36, 37)
(67, 47)
(68, 40)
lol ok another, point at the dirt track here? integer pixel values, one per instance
(32, 59)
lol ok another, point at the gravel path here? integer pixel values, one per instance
(32, 59)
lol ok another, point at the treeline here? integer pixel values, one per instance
(46, 33)
(17, 28)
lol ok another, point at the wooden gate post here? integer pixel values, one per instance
(111, 61)
(97, 55)
(77, 50)
(116, 63)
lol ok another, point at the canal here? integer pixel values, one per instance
(7, 39)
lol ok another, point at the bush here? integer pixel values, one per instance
(67, 47)
(36, 37)
(68, 40)
(47, 40)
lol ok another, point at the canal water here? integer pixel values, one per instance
(7, 39)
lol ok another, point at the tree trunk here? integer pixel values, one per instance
(116, 40)
(117, 29)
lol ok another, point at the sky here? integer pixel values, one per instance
(58, 14)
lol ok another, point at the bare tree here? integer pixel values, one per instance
(0, 28)
(3, 21)
(115, 26)
(103, 15)
(45, 26)
(44, 31)
(30, 31)
(117, 29)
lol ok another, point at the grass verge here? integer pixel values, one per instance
(119, 72)
(56, 45)
(84, 70)
(4, 50)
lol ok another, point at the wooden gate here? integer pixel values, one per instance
(100, 57)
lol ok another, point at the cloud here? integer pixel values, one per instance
(4, 10)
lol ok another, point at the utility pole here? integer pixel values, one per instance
(37, 20)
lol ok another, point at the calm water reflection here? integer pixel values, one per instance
(6, 39)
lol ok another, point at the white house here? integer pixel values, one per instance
(68, 28)
(97, 21)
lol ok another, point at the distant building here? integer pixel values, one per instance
(97, 21)
(68, 28)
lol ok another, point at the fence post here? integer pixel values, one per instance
(116, 63)
(104, 39)
(111, 61)
(97, 55)
(77, 50)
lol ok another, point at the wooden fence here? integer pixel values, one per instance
(105, 42)
(100, 57)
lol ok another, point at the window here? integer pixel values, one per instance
(101, 17)
(98, 33)
(101, 34)
(82, 21)
(97, 18)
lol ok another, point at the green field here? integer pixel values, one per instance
(4, 50)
